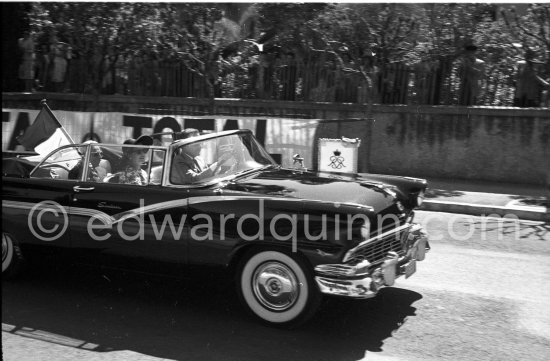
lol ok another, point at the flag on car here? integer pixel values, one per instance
(45, 134)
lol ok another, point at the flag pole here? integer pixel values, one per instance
(45, 106)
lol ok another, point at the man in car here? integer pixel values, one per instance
(188, 167)
(98, 167)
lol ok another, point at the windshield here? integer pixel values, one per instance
(59, 163)
(212, 159)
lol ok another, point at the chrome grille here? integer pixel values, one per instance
(376, 248)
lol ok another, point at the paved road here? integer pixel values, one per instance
(483, 296)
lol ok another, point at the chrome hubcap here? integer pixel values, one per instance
(275, 286)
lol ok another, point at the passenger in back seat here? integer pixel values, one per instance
(130, 165)
(98, 167)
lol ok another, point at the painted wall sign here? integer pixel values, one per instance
(280, 136)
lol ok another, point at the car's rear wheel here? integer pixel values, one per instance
(277, 288)
(12, 258)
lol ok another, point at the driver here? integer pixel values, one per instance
(188, 166)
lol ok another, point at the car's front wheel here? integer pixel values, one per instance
(12, 258)
(277, 288)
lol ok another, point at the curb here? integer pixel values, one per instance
(529, 213)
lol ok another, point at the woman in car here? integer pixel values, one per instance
(130, 171)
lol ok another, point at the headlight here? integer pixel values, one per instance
(420, 198)
(365, 229)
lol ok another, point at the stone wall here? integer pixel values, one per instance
(503, 145)
(481, 143)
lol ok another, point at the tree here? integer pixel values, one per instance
(14, 23)
(531, 32)
(375, 46)
(202, 36)
(367, 38)
(104, 34)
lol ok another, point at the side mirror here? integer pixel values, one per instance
(298, 162)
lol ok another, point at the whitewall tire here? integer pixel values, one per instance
(12, 258)
(277, 288)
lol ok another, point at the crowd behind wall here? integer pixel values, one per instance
(281, 76)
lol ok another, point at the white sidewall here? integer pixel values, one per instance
(9, 252)
(248, 293)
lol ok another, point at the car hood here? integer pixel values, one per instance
(327, 187)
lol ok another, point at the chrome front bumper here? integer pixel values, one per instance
(364, 280)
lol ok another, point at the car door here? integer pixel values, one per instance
(36, 209)
(128, 226)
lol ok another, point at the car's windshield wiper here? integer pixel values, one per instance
(252, 170)
(269, 166)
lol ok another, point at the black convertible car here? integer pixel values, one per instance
(289, 236)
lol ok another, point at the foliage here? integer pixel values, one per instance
(103, 34)
(355, 39)
(283, 23)
(531, 31)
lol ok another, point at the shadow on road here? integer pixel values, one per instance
(537, 231)
(437, 193)
(191, 319)
(532, 201)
